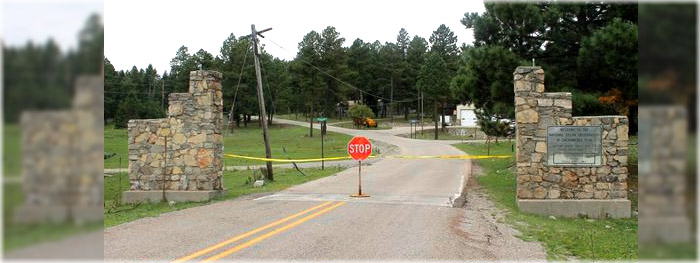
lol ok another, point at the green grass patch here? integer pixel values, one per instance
(248, 141)
(17, 235)
(683, 251)
(429, 134)
(116, 142)
(12, 150)
(236, 183)
(609, 239)
(302, 118)
(381, 125)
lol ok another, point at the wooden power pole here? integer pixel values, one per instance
(261, 98)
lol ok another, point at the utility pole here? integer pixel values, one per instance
(261, 98)
(391, 103)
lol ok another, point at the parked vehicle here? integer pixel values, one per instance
(370, 123)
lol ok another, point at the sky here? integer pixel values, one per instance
(143, 32)
(39, 20)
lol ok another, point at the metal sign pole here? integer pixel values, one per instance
(359, 148)
(322, 135)
(359, 179)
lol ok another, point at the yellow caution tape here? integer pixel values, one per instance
(463, 156)
(291, 160)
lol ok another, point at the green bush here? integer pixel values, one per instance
(359, 113)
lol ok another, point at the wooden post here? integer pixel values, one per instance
(261, 101)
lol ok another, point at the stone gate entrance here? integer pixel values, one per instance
(567, 166)
(180, 156)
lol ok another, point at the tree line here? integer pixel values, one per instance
(587, 49)
(40, 76)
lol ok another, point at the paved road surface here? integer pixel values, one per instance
(409, 216)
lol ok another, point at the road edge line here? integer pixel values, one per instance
(272, 233)
(247, 234)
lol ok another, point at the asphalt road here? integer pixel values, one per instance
(408, 216)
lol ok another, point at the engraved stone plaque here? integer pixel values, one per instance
(574, 145)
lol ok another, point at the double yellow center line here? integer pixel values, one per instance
(258, 230)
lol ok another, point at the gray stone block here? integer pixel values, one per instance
(41, 214)
(608, 208)
(137, 196)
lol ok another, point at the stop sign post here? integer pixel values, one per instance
(359, 148)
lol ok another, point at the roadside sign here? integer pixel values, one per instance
(359, 148)
(321, 119)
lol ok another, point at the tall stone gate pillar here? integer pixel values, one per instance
(180, 155)
(567, 166)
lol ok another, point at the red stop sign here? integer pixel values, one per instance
(359, 148)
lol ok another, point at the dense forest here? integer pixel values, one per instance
(587, 49)
(41, 76)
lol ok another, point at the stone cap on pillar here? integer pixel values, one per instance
(528, 79)
(202, 74)
(204, 81)
(527, 69)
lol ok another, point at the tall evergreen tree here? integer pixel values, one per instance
(444, 43)
(332, 59)
(433, 80)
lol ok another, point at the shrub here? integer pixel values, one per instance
(359, 112)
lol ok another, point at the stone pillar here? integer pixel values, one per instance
(545, 186)
(63, 159)
(183, 152)
(663, 208)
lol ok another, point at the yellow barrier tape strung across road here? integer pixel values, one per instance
(290, 160)
(462, 156)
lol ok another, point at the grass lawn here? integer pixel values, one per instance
(608, 239)
(116, 142)
(301, 117)
(684, 251)
(12, 150)
(429, 134)
(248, 141)
(236, 183)
(381, 125)
(16, 235)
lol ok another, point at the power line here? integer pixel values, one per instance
(267, 86)
(335, 78)
(235, 95)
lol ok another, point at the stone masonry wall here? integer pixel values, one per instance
(63, 159)
(186, 147)
(535, 111)
(665, 214)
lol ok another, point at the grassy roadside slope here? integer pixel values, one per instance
(609, 239)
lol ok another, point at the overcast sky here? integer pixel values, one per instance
(39, 20)
(142, 32)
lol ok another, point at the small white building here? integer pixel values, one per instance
(466, 117)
